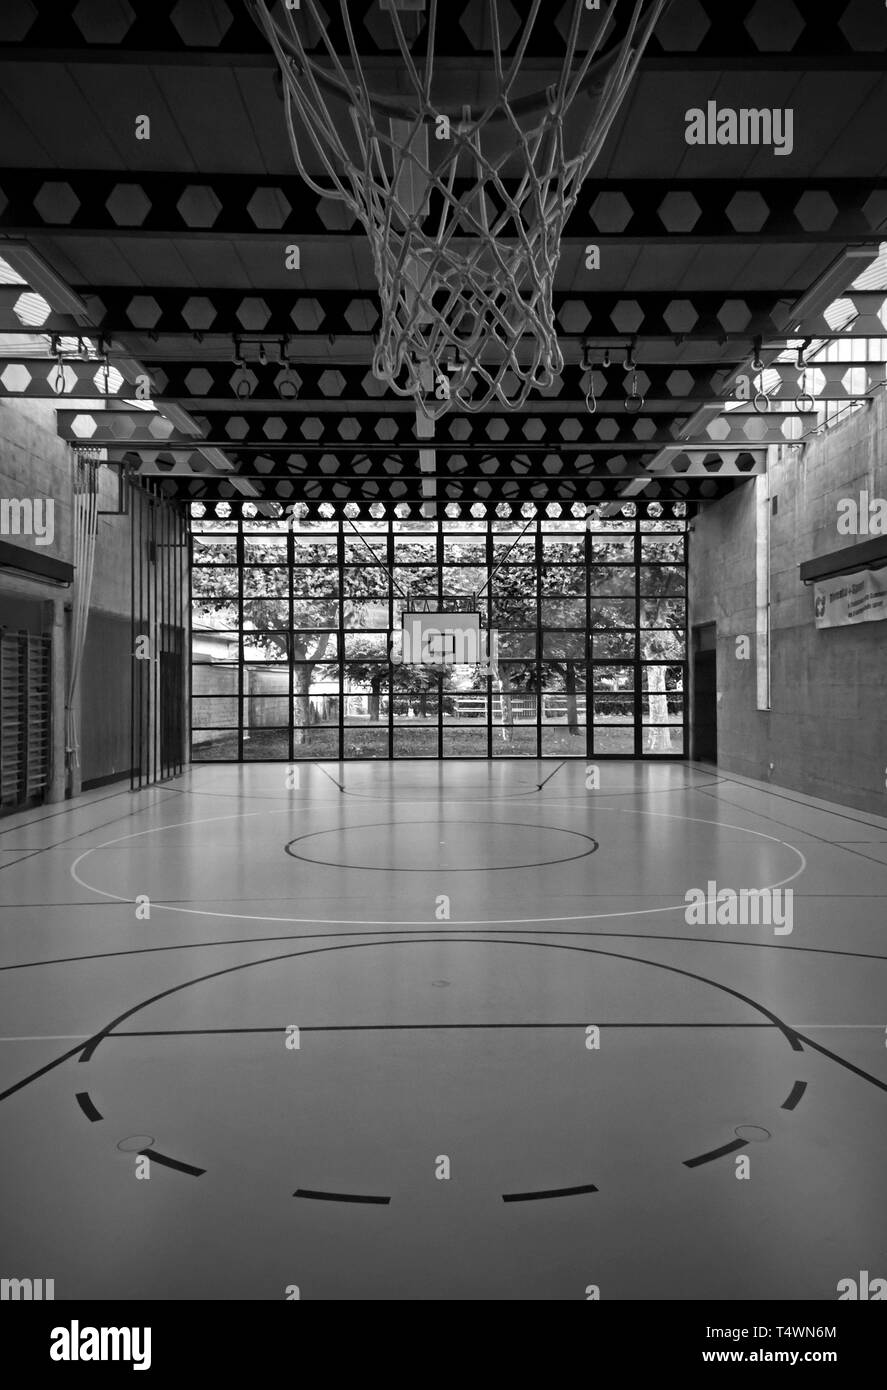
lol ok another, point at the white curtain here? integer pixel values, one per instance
(85, 523)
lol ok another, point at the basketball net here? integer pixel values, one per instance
(464, 254)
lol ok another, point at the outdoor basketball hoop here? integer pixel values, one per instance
(464, 205)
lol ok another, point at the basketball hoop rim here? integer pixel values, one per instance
(526, 105)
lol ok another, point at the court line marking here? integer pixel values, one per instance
(794, 1095)
(87, 1050)
(165, 1161)
(87, 1105)
(552, 1192)
(340, 1197)
(809, 834)
(593, 844)
(467, 922)
(716, 1153)
(327, 936)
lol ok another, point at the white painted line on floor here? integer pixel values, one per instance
(51, 1037)
(466, 922)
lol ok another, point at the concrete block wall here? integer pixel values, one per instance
(826, 731)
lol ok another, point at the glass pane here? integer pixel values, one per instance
(415, 741)
(613, 709)
(662, 707)
(612, 740)
(208, 678)
(467, 742)
(612, 550)
(560, 740)
(663, 549)
(421, 581)
(367, 615)
(215, 581)
(320, 613)
(668, 646)
(561, 551)
(463, 579)
(366, 644)
(315, 581)
(563, 579)
(370, 550)
(265, 550)
(362, 741)
(263, 744)
(214, 550)
(616, 612)
(515, 741)
(365, 582)
(315, 646)
(414, 551)
(605, 580)
(266, 613)
(518, 675)
(560, 707)
(466, 706)
(271, 582)
(316, 708)
(663, 612)
(563, 644)
(370, 677)
(513, 610)
(663, 580)
(217, 745)
(522, 552)
(213, 615)
(317, 550)
(214, 712)
(563, 612)
(612, 678)
(464, 550)
(667, 741)
(669, 678)
(517, 644)
(423, 705)
(316, 741)
(266, 646)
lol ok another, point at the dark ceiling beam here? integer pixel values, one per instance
(693, 32)
(283, 491)
(210, 386)
(565, 431)
(243, 205)
(285, 313)
(290, 320)
(348, 466)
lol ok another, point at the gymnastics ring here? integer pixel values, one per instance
(762, 396)
(800, 402)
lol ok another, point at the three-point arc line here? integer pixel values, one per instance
(716, 1153)
(340, 1197)
(794, 1095)
(551, 1192)
(88, 1107)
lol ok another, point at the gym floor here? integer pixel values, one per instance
(443, 936)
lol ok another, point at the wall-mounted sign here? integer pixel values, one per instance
(851, 598)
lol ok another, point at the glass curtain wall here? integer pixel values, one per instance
(292, 625)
